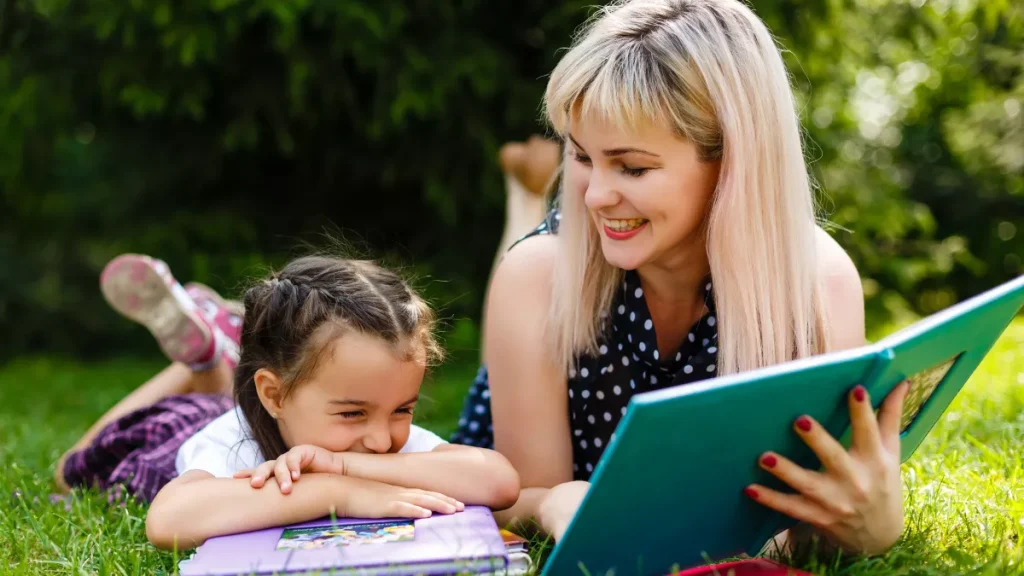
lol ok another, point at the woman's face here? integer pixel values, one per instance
(646, 191)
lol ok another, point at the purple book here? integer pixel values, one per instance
(467, 542)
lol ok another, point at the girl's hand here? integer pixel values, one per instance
(856, 502)
(559, 506)
(370, 499)
(290, 465)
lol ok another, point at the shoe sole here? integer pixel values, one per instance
(136, 291)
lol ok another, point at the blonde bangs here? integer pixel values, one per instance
(617, 85)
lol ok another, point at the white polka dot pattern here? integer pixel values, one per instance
(598, 392)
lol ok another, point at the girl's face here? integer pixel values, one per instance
(645, 191)
(360, 398)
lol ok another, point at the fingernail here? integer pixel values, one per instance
(804, 423)
(769, 461)
(858, 393)
(295, 474)
(750, 492)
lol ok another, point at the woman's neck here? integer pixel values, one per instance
(674, 291)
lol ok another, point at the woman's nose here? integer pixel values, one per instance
(600, 192)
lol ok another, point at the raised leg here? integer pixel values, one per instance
(530, 170)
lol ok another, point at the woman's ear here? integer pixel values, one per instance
(270, 390)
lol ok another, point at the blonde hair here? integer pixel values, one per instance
(712, 71)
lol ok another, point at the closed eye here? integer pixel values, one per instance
(581, 158)
(350, 414)
(634, 172)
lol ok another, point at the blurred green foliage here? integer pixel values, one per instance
(217, 134)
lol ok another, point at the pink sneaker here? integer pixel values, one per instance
(142, 289)
(221, 315)
(224, 314)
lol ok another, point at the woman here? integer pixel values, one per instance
(685, 247)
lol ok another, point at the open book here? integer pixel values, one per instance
(668, 490)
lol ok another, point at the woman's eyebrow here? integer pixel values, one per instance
(618, 151)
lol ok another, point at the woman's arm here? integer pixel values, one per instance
(529, 398)
(197, 506)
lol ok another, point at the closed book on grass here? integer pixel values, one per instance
(668, 491)
(466, 542)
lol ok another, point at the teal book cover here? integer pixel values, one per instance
(668, 491)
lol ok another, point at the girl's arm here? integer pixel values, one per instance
(197, 506)
(470, 475)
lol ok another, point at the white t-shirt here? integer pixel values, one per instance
(224, 446)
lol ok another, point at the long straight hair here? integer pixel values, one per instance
(712, 71)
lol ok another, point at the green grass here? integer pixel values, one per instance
(964, 486)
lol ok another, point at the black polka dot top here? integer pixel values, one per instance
(600, 385)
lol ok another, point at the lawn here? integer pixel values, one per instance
(965, 486)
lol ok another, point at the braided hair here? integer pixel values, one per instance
(292, 318)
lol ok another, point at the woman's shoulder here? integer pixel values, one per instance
(842, 291)
(528, 267)
(836, 270)
(532, 257)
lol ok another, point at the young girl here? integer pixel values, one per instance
(333, 353)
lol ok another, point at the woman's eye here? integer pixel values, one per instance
(580, 157)
(354, 414)
(403, 411)
(634, 172)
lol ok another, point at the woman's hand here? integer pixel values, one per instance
(856, 502)
(290, 465)
(559, 506)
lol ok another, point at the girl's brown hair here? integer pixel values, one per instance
(293, 317)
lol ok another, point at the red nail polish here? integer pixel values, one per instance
(804, 423)
(769, 461)
(750, 492)
(858, 393)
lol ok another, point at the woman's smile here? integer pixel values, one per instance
(623, 229)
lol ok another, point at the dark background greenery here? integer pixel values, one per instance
(219, 134)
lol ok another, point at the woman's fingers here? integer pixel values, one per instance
(792, 505)
(813, 485)
(828, 450)
(819, 490)
(866, 436)
(890, 416)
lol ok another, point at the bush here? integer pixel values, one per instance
(217, 134)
